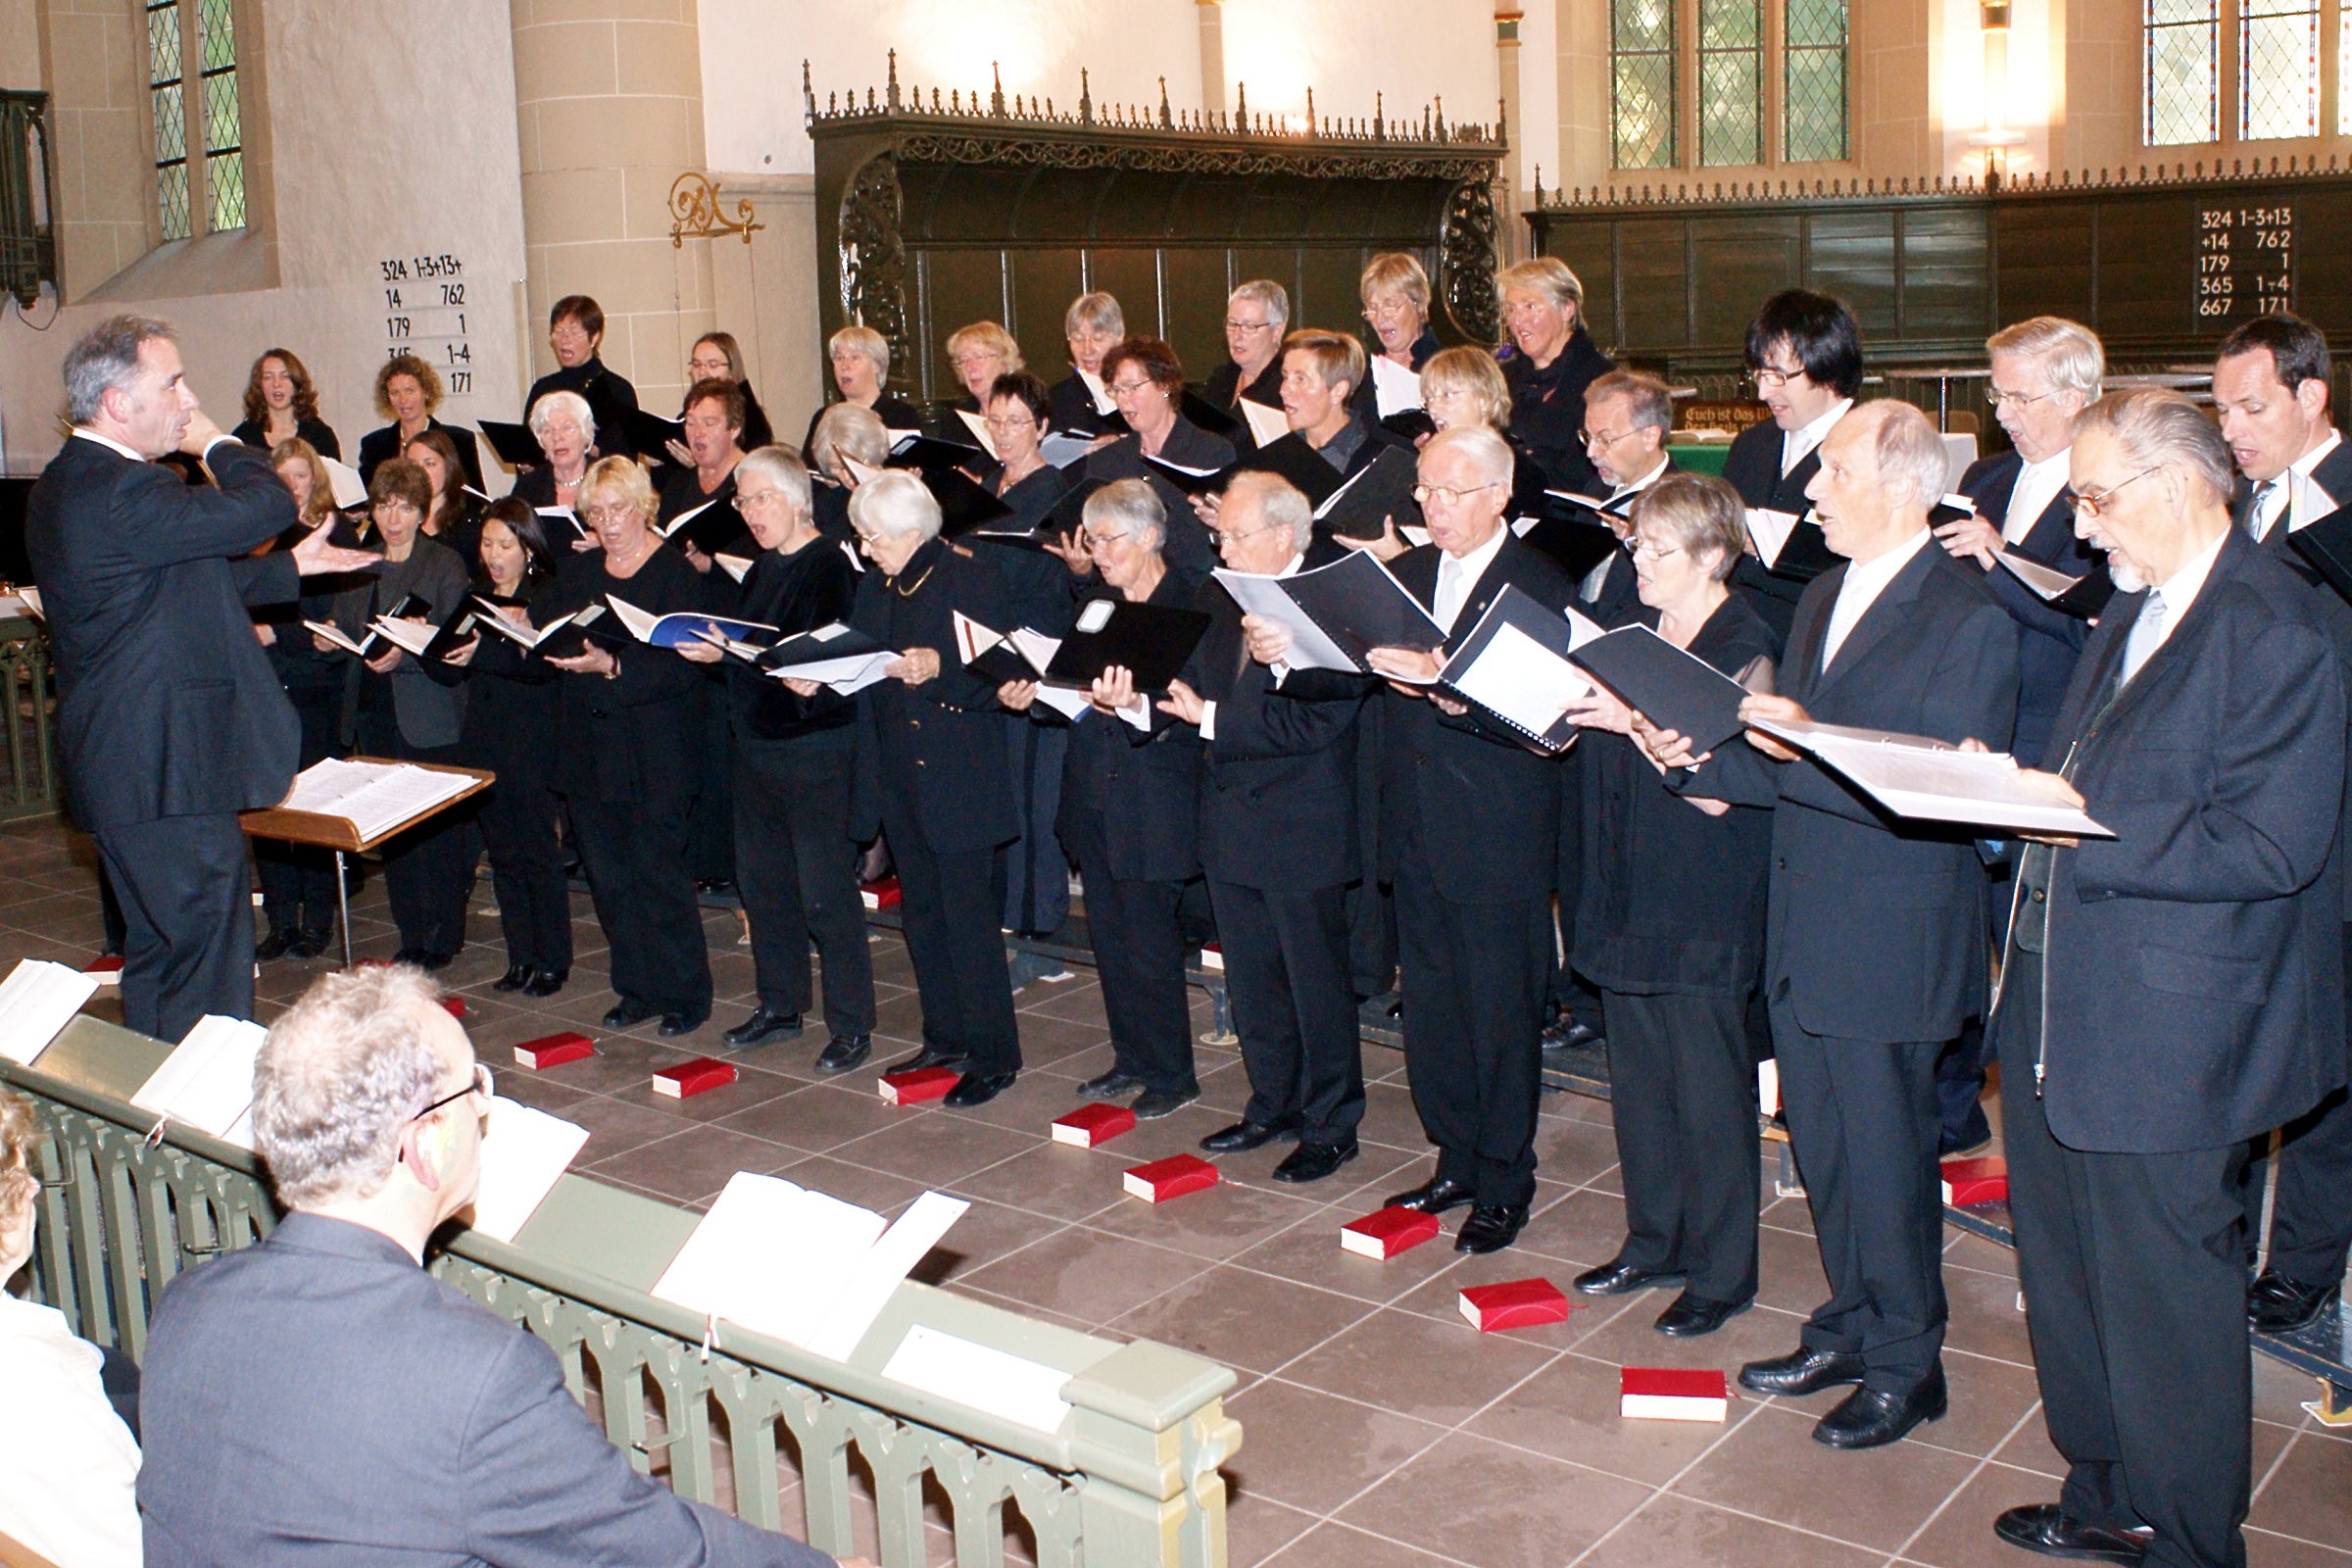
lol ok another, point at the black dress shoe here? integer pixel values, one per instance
(1564, 1033)
(1433, 1196)
(417, 957)
(714, 884)
(1694, 1315)
(517, 976)
(627, 1013)
(276, 945)
(434, 962)
(978, 1089)
(2045, 1527)
(928, 1057)
(1154, 1103)
(1872, 1418)
(546, 982)
(2276, 1304)
(843, 1051)
(674, 1024)
(1312, 1162)
(761, 1027)
(1616, 1277)
(1244, 1135)
(1110, 1086)
(1801, 1371)
(309, 943)
(1490, 1228)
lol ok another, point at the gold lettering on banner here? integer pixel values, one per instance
(694, 210)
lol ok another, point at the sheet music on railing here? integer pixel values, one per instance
(374, 796)
(525, 1152)
(207, 1082)
(37, 999)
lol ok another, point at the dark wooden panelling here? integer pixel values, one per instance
(1329, 284)
(1651, 253)
(959, 287)
(1945, 286)
(1850, 255)
(1133, 276)
(1196, 325)
(1044, 282)
(1737, 262)
(2147, 268)
(2043, 260)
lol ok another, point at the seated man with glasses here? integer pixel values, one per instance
(319, 1399)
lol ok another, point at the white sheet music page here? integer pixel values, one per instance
(1917, 776)
(2046, 581)
(843, 1314)
(207, 1082)
(1770, 530)
(1266, 425)
(375, 796)
(981, 1376)
(1311, 648)
(1397, 389)
(1522, 680)
(768, 1255)
(524, 1153)
(37, 999)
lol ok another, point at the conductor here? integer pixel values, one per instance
(169, 722)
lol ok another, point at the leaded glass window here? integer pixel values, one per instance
(2278, 68)
(224, 131)
(163, 68)
(1641, 100)
(2181, 86)
(201, 121)
(1814, 77)
(1731, 81)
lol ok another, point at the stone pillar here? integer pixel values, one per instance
(1507, 16)
(1212, 55)
(608, 105)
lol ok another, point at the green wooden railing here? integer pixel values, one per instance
(28, 700)
(1130, 1477)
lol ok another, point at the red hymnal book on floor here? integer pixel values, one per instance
(1976, 1181)
(913, 1088)
(693, 1077)
(1518, 1305)
(1172, 1177)
(1090, 1125)
(1665, 1393)
(880, 893)
(553, 1051)
(107, 972)
(455, 1005)
(1381, 1235)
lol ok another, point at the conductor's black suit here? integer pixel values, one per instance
(170, 720)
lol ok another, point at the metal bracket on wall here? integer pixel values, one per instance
(695, 214)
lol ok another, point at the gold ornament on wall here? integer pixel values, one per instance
(694, 210)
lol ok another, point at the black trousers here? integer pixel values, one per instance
(2135, 1296)
(1293, 1005)
(298, 880)
(1474, 983)
(2311, 1218)
(1138, 936)
(187, 906)
(948, 902)
(713, 825)
(1037, 876)
(1683, 1096)
(643, 885)
(426, 874)
(1862, 1122)
(527, 868)
(797, 873)
(1371, 903)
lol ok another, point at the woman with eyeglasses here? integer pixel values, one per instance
(1146, 379)
(1257, 317)
(1093, 325)
(1395, 291)
(717, 356)
(1669, 923)
(1552, 359)
(1129, 818)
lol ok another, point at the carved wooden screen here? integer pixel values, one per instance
(931, 215)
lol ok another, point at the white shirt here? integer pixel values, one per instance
(1643, 483)
(109, 441)
(1457, 579)
(2178, 591)
(66, 1487)
(2287, 490)
(1794, 444)
(2038, 485)
(1208, 710)
(1864, 581)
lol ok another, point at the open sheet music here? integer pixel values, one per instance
(1338, 612)
(207, 1082)
(376, 797)
(37, 999)
(1514, 664)
(524, 1150)
(1916, 776)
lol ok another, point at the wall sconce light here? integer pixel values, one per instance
(1996, 137)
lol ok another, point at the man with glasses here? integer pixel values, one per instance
(320, 1398)
(1256, 315)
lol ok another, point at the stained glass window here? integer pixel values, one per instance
(206, 122)
(1731, 81)
(224, 138)
(163, 68)
(2278, 68)
(2181, 86)
(1814, 78)
(1641, 100)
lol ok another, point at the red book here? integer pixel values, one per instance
(1090, 1125)
(455, 1005)
(880, 893)
(1381, 1235)
(107, 972)
(1172, 1177)
(553, 1051)
(1665, 1393)
(913, 1088)
(1516, 1304)
(693, 1077)
(1976, 1181)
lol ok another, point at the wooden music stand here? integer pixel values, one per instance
(342, 835)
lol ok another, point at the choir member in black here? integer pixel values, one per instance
(1395, 291)
(845, 439)
(713, 445)
(980, 353)
(298, 880)
(793, 753)
(281, 405)
(511, 695)
(455, 521)
(1669, 924)
(1469, 838)
(1146, 379)
(1019, 413)
(936, 781)
(1093, 324)
(1129, 799)
(575, 332)
(1804, 354)
(717, 356)
(1465, 387)
(625, 719)
(406, 711)
(1554, 358)
(1257, 316)
(859, 358)
(407, 392)
(1279, 844)
(567, 433)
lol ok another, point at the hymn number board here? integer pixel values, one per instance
(2245, 262)
(425, 314)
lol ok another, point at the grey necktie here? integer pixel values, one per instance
(2258, 506)
(2146, 633)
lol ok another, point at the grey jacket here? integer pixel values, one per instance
(430, 711)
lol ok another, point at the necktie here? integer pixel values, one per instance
(1449, 597)
(2257, 522)
(2145, 634)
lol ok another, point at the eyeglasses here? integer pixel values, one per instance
(1234, 536)
(1387, 310)
(1772, 376)
(1024, 422)
(2090, 504)
(1445, 495)
(1092, 543)
(2023, 399)
(1521, 310)
(1232, 326)
(616, 512)
(1643, 548)
(965, 362)
(481, 1085)
(1127, 389)
(1602, 438)
(744, 501)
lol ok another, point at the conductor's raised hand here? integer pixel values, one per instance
(1182, 702)
(201, 432)
(914, 666)
(319, 556)
(1780, 710)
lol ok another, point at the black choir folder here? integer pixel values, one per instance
(1338, 614)
(1515, 665)
(1670, 688)
(515, 443)
(2080, 596)
(1151, 641)
(2327, 545)
(1789, 545)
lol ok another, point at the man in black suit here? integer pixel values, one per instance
(2169, 992)
(1278, 841)
(169, 722)
(1875, 936)
(1470, 823)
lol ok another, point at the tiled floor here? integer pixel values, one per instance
(1379, 1429)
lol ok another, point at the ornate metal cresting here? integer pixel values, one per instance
(1131, 1477)
(2060, 181)
(694, 212)
(27, 231)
